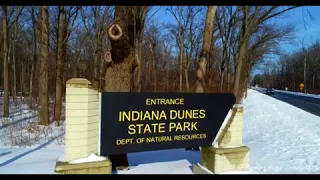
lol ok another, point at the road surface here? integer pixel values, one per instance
(307, 104)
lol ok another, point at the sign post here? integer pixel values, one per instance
(135, 122)
(301, 87)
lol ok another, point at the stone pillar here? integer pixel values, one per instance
(229, 154)
(82, 130)
(82, 119)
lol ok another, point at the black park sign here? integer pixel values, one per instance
(135, 122)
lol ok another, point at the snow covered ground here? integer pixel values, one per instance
(170, 167)
(281, 137)
(25, 146)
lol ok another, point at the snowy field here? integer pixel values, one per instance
(282, 139)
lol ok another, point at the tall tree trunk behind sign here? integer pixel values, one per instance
(140, 43)
(43, 71)
(61, 33)
(5, 62)
(121, 61)
(33, 59)
(207, 37)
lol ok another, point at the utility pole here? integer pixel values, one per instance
(305, 50)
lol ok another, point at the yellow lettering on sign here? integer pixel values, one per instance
(189, 137)
(146, 128)
(124, 141)
(187, 114)
(159, 139)
(142, 115)
(182, 126)
(164, 101)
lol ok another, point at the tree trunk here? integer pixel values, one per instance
(245, 84)
(186, 73)
(186, 66)
(140, 62)
(313, 79)
(167, 77)
(209, 67)
(30, 104)
(228, 76)
(181, 64)
(239, 71)
(246, 89)
(117, 81)
(43, 70)
(245, 75)
(14, 83)
(59, 69)
(207, 37)
(154, 68)
(22, 76)
(74, 67)
(222, 67)
(14, 55)
(1, 80)
(33, 59)
(119, 71)
(95, 63)
(143, 10)
(97, 52)
(5, 62)
(75, 62)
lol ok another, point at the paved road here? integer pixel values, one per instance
(307, 104)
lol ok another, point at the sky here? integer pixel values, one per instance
(306, 29)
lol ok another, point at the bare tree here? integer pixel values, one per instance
(167, 50)
(142, 13)
(181, 32)
(5, 62)
(252, 18)
(43, 71)
(207, 36)
(192, 37)
(226, 23)
(98, 21)
(288, 71)
(34, 56)
(67, 17)
(61, 33)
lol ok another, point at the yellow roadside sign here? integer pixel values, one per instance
(301, 86)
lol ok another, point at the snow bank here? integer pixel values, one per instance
(171, 167)
(90, 158)
(281, 137)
